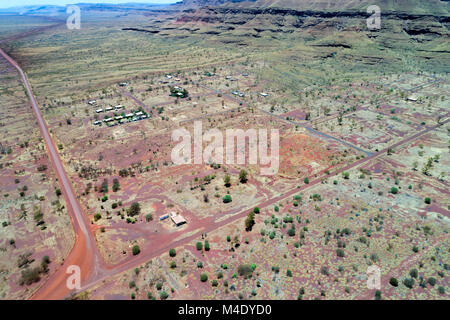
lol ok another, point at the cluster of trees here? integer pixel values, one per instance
(243, 178)
(32, 275)
(134, 209)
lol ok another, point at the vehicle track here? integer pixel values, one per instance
(84, 252)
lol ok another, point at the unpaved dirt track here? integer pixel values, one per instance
(84, 253)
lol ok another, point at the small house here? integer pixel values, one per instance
(412, 98)
(177, 219)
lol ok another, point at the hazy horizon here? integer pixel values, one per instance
(19, 3)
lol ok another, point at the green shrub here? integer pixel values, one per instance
(413, 273)
(378, 295)
(203, 277)
(393, 282)
(408, 282)
(291, 232)
(245, 271)
(163, 295)
(136, 250)
(227, 199)
(172, 253)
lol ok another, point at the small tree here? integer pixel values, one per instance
(199, 246)
(378, 295)
(116, 185)
(243, 176)
(432, 281)
(207, 247)
(306, 180)
(104, 186)
(250, 221)
(172, 253)
(227, 180)
(134, 209)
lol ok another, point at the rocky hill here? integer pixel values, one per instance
(435, 7)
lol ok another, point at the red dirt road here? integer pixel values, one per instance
(84, 253)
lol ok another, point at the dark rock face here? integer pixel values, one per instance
(213, 3)
(275, 19)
